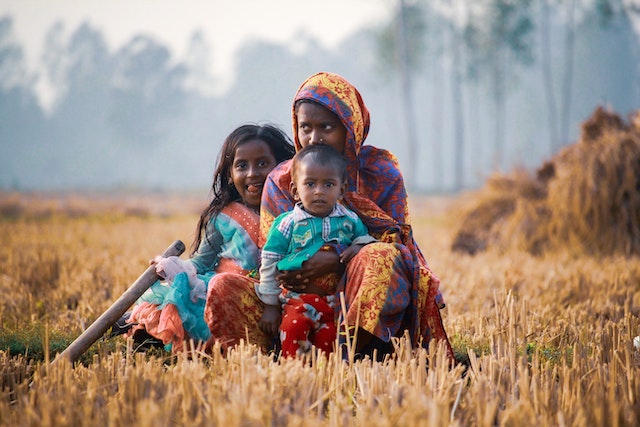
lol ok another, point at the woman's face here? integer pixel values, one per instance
(252, 163)
(317, 125)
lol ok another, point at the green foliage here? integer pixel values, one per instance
(415, 36)
(30, 343)
(502, 29)
(547, 353)
(461, 346)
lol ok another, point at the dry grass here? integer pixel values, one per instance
(586, 198)
(547, 337)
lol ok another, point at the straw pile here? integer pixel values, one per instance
(586, 199)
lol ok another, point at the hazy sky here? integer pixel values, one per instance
(225, 23)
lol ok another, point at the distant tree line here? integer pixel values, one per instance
(457, 89)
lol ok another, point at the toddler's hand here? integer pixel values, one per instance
(270, 321)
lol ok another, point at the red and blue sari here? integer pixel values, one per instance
(388, 286)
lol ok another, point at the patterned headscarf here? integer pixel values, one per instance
(375, 187)
(341, 97)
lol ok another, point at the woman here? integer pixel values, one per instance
(388, 286)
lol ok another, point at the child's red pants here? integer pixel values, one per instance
(308, 319)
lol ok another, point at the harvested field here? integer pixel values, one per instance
(542, 322)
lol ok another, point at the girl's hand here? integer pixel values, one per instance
(322, 262)
(157, 260)
(270, 321)
(168, 268)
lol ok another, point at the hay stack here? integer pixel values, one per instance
(586, 199)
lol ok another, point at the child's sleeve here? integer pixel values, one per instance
(361, 234)
(275, 247)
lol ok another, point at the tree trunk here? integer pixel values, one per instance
(436, 126)
(547, 75)
(407, 98)
(499, 75)
(458, 115)
(567, 84)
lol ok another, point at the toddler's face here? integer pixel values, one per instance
(318, 187)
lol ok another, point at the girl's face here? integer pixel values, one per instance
(317, 125)
(252, 163)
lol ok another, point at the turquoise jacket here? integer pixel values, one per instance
(296, 236)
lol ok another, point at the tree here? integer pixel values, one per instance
(401, 48)
(499, 36)
(21, 120)
(198, 65)
(595, 34)
(81, 155)
(147, 91)
(457, 28)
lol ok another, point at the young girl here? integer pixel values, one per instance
(317, 222)
(226, 239)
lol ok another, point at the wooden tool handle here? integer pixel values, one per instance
(117, 309)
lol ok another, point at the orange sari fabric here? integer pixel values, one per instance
(233, 311)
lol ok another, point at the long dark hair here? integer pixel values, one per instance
(223, 191)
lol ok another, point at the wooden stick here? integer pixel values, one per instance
(117, 309)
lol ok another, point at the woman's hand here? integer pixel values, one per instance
(270, 321)
(349, 253)
(323, 262)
